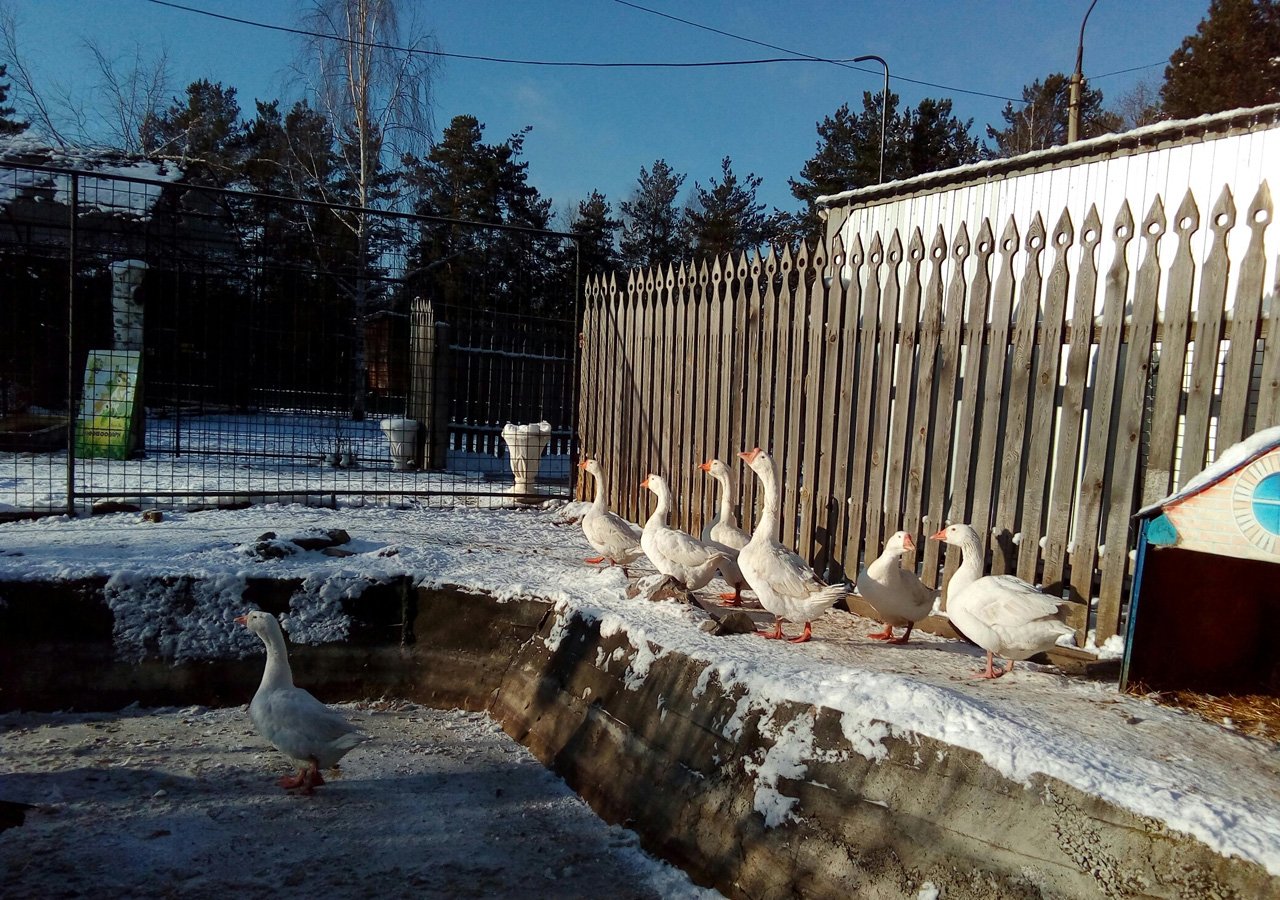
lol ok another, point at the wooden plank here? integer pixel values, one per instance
(863, 423)
(1170, 368)
(1133, 396)
(784, 389)
(944, 403)
(905, 393)
(923, 438)
(1017, 399)
(763, 408)
(736, 369)
(1245, 322)
(1269, 387)
(827, 508)
(1044, 404)
(647, 409)
(817, 423)
(850, 278)
(991, 410)
(877, 469)
(681, 399)
(797, 291)
(1208, 330)
(1071, 417)
(1097, 450)
(708, 360)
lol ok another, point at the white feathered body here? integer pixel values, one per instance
(290, 718)
(898, 595)
(610, 535)
(674, 553)
(783, 582)
(999, 613)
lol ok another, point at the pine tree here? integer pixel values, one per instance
(1232, 61)
(651, 221)
(597, 231)
(934, 139)
(8, 124)
(725, 216)
(1041, 122)
(204, 134)
(918, 140)
(463, 178)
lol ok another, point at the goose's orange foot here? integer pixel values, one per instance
(886, 635)
(806, 635)
(289, 782)
(730, 600)
(774, 635)
(594, 560)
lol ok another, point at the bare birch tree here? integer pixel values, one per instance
(129, 90)
(371, 75)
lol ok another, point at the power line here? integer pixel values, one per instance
(492, 59)
(839, 62)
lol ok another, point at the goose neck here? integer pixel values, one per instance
(726, 500)
(277, 672)
(660, 511)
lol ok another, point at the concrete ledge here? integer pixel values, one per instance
(672, 755)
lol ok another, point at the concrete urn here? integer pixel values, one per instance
(525, 444)
(402, 436)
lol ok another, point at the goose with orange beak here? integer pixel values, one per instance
(784, 583)
(681, 557)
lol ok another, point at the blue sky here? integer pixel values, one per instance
(594, 128)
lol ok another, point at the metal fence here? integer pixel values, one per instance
(167, 344)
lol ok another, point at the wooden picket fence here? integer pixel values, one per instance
(925, 378)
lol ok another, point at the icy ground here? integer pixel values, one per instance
(1189, 774)
(163, 803)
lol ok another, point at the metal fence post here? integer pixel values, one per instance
(74, 201)
(429, 383)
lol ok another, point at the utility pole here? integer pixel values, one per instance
(1077, 84)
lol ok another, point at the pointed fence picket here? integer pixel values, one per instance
(993, 382)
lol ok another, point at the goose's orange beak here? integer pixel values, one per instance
(909, 542)
(940, 536)
(645, 483)
(583, 464)
(750, 455)
(706, 466)
(242, 620)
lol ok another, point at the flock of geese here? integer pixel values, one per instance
(1002, 614)
(999, 613)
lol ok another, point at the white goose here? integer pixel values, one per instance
(898, 594)
(311, 734)
(1002, 614)
(785, 584)
(681, 557)
(612, 536)
(723, 531)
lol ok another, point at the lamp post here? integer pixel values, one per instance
(884, 104)
(1077, 82)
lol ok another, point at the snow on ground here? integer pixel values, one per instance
(1174, 767)
(163, 803)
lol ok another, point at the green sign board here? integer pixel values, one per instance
(108, 408)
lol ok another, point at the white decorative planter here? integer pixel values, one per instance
(526, 443)
(402, 435)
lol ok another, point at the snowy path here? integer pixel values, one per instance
(162, 803)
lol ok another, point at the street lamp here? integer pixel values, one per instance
(884, 105)
(1077, 82)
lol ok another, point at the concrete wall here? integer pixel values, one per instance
(654, 755)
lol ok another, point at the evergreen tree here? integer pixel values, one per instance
(1041, 122)
(918, 140)
(1232, 61)
(596, 230)
(725, 216)
(204, 134)
(651, 221)
(463, 178)
(8, 124)
(933, 139)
